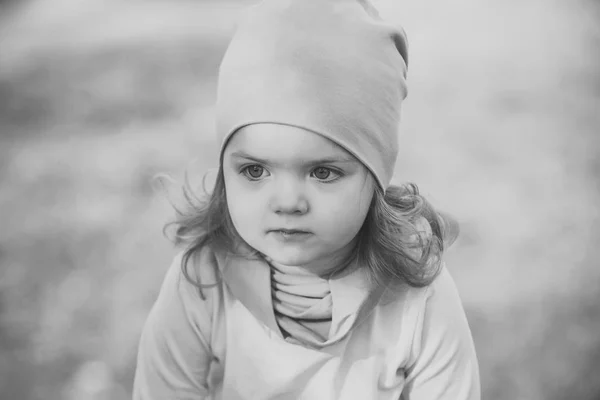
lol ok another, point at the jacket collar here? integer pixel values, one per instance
(249, 279)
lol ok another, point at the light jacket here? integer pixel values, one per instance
(406, 343)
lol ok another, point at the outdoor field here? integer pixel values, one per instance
(501, 129)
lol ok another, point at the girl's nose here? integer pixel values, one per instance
(288, 198)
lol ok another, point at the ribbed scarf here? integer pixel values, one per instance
(302, 303)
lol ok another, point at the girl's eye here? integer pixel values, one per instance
(254, 171)
(325, 174)
(322, 173)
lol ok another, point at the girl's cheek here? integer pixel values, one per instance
(243, 197)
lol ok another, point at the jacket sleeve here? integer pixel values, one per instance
(443, 364)
(174, 354)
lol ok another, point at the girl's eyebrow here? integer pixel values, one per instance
(326, 160)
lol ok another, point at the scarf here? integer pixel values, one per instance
(302, 303)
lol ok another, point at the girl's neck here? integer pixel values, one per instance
(325, 267)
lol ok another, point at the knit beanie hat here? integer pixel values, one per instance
(332, 67)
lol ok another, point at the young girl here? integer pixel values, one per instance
(305, 274)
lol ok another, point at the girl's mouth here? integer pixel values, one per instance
(290, 234)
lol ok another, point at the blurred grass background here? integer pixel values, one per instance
(501, 129)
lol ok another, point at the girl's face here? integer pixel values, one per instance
(295, 196)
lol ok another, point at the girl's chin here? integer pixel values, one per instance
(288, 259)
(291, 257)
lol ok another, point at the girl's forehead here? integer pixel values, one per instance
(277, 140)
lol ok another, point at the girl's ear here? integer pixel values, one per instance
(450, 228)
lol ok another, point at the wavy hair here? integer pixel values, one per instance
(401, 240)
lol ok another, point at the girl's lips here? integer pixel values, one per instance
(287, 235)
(289, 231)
